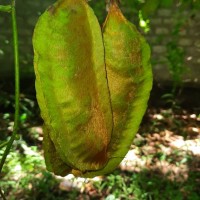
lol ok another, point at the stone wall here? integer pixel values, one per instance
(165, 29)
(163, 25)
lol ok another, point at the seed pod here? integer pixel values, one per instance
(129, 74)
(92, 97)
(72, 89)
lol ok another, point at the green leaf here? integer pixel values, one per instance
(149, 8)
(6, 8)
(166, 3)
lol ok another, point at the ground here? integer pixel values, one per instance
(163, 162)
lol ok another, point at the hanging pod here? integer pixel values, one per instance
(92, 92)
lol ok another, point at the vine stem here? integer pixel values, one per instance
(17, 85)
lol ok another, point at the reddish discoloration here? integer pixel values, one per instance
(51, 9)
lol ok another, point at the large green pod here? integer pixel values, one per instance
(72, 89)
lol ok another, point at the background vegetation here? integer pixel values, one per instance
(164, 160)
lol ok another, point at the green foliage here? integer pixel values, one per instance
(99, 9)
(6, 8)
(146, 185)
(144, 24)
(166, 3)
(149, 8)
(25, 176)
(176, 54)
(170, 99)
(27, 106)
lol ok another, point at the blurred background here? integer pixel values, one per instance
(164, 160)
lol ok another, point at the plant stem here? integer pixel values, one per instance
(17, 86)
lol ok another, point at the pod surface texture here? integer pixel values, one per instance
(92, 87)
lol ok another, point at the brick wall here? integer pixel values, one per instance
(162, 25)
